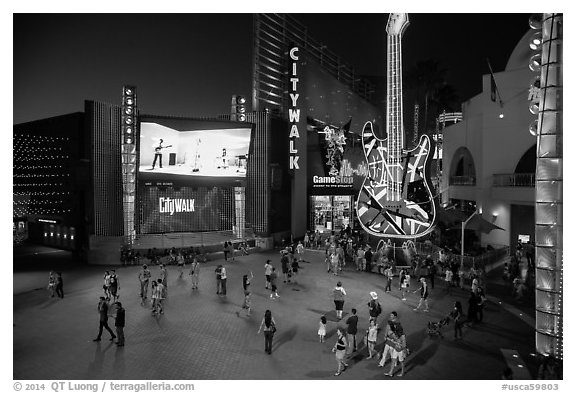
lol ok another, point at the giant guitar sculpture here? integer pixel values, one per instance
(396, 198)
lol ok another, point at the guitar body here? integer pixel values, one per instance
(412, 215)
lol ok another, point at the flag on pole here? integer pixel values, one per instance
(492, 87)
(494, 93)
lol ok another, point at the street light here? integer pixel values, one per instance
(464, 223)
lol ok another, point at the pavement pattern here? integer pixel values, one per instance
(201, 337)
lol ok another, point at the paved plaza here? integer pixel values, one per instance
(200, 337)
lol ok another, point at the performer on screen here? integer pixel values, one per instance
(224, 159)
(158, 153)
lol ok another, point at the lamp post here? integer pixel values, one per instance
(464, 223)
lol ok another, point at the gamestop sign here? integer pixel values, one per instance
(177, 205)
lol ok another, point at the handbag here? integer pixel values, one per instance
(273, 326)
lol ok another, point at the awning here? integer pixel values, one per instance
(477, 223)
(449, 217)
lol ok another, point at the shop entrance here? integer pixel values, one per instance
(330, 212)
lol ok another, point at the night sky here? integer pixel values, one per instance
(190, 64)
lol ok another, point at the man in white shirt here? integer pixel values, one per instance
(300, 251)
(223, 281)
(267, 273)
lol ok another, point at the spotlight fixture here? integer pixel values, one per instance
(535, 21)
(536, 41)
(534, 107)
(534, 127)
(535, 63)
(238, 109)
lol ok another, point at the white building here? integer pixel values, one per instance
(490, 156)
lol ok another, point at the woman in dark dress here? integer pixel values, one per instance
(269, 326)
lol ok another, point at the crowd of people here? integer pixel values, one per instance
(343, 251)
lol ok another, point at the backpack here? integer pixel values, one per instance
(378, 309)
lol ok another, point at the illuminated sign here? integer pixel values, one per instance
(333, 179)
(294, 112)
(178, 205)
(47, 221)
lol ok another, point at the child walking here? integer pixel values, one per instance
(322, 328)
(372, 335)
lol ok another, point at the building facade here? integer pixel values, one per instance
(489, 158)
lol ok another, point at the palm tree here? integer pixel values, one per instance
(431, 92)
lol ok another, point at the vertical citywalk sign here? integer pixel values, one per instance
(294, 110)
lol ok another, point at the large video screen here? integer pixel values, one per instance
(185, 209)
(192, 152)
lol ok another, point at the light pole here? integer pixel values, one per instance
(464, 223)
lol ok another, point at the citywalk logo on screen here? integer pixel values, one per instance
(178, 205)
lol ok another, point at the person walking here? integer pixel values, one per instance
(103, 312)
(334, 260)
(59, 285)
(388, 335)
(340, 350)
(423, 295)
(164, 278)
(397, 339)
(374, 307)
(351, 331)
(360, 259)
(481, 300)
(223, 278)
(339, 293)
(195, 272)
(285, 262)
(144, 278)
(368, 259)
(246, 305)
(448, 279)
(267, 273)
(294, 268)
(120, 323)
(322, 328)
(300, 251)
(114, 286)
(51, 284)
(161, 296)
(218, 272)
(372, 336)
(273, 287)
(268, 324)
(180, 262)
(404, 283)
(458, 317)
(389, 272)
(106, 285)
(155, 297)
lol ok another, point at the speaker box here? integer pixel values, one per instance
(172, 159)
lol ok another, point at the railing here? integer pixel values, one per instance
(189, 239)
(514, 180)
(478, 261)
(462, 180)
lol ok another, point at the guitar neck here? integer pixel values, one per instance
(395, 124)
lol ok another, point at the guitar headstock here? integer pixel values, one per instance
(397, 23)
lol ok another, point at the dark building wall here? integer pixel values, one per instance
(522, 222)
(51, 178)
(104, 122)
